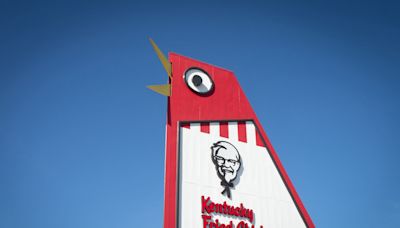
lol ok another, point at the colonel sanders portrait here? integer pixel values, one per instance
(226, 159)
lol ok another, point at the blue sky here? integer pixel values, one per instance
(82, 139)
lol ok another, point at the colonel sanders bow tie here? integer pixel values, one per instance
(227, 188)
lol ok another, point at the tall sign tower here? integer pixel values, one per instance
(221, 170)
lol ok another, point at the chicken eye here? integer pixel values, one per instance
(198, 81)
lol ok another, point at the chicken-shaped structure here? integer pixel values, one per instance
(220, 168)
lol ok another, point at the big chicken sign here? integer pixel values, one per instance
(221, 170)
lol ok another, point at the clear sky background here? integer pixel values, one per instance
(82, 139)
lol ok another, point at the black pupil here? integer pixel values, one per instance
(197, 80)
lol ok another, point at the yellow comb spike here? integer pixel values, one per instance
(163, 59)
(161, 89)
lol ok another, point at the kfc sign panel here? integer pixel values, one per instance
(221, 170)
(228, 179)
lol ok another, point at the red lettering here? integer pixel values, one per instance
(250, 215)
(204, 204)
(241, 225)
(209, 207)
(237, 210)
(216, 223)
(242, 211)
(225, 208)
(220, 208)
(231, 212)
(205, 220)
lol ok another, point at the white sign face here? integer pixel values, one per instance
(225, 182)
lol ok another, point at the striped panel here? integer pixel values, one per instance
(243, 131)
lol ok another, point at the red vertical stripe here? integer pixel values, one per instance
(186, 125)
(223, 129)
(259, 141)
(205, 127)
(242, 131)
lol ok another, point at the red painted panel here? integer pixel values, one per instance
(242, 131)
(223, 129)
(205, 127)
(259, 141)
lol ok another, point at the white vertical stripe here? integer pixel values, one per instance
(250, 132)
(214, 129)
(233, 131)
(195, 127)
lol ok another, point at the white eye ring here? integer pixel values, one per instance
(198, 81)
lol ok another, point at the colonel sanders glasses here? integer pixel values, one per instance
(223, 161)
